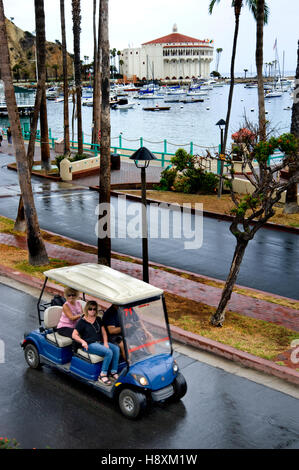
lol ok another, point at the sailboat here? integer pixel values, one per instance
(275, 92)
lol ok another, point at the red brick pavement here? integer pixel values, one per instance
(175, 284)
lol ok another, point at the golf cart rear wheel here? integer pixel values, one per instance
(131, 403)
(32, 356)
(180, 387)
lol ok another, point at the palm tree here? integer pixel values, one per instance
(118, 55)
(237, 5)
(113, 55)
(104, 244)
(20, 223)
(291, 205)
(36, 247)
(96, 79)
(121, 63)
(76, 11)
(219, 50)
(245, 73)
(41, 67)
(65, 83)
(260, 20)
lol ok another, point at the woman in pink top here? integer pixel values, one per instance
(71, 312)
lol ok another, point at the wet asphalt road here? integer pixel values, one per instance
(47, 408)
(270, 262)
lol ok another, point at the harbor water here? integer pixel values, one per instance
(182, 123)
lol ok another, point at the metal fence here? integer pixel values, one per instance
(164, 157)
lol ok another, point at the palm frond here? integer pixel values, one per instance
(211, 5)
(252, 5)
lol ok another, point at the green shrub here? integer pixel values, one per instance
(78, 157)
(58, 160)
(182, 159)
(182, 184)
(186, 176)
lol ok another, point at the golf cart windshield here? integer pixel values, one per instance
(145, 330)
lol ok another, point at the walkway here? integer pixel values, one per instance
(127, 177)
(255, 308)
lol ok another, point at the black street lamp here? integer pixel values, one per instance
(142, 158)
(221, 125)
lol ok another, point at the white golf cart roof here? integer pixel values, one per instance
(104, 283)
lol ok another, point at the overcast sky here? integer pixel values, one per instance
(136, 21)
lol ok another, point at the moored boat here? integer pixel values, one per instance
(157, 108)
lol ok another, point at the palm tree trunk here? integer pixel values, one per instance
(36, 247)
(20, 224)
(98, 91)
(104, 245)
(95, 69)
(259, 66)
(44, 134)
(41, 66)
(218, 318)
(65, 83)
(238, 6)
(291, 205)
(76, 9)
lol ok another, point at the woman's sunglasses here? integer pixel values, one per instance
(92, 308)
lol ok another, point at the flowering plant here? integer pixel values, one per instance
(243, 135)
(6, 443)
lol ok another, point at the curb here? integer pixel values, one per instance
(236, 355)
(184, 337)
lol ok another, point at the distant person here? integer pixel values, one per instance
(9, 135)
(1, 136)
(71, 313)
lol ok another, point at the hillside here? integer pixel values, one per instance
(22, 54)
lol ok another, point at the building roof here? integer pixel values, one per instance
(174, 38)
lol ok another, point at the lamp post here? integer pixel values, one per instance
(221, 125)
(142, 158)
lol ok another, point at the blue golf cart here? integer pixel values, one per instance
(149, 373)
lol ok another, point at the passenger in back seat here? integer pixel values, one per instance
(71, 313)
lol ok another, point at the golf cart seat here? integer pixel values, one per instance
(51, 318)
(93, 358)
(83, 303)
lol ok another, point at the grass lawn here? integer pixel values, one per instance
(212, 203)
(6, 226)
(257, 337)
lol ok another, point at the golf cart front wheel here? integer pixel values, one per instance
(32, 356)
(180, 387)
(131, 403)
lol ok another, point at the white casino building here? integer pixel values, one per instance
(171, 57)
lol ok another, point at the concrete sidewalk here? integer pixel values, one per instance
(190, 289)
